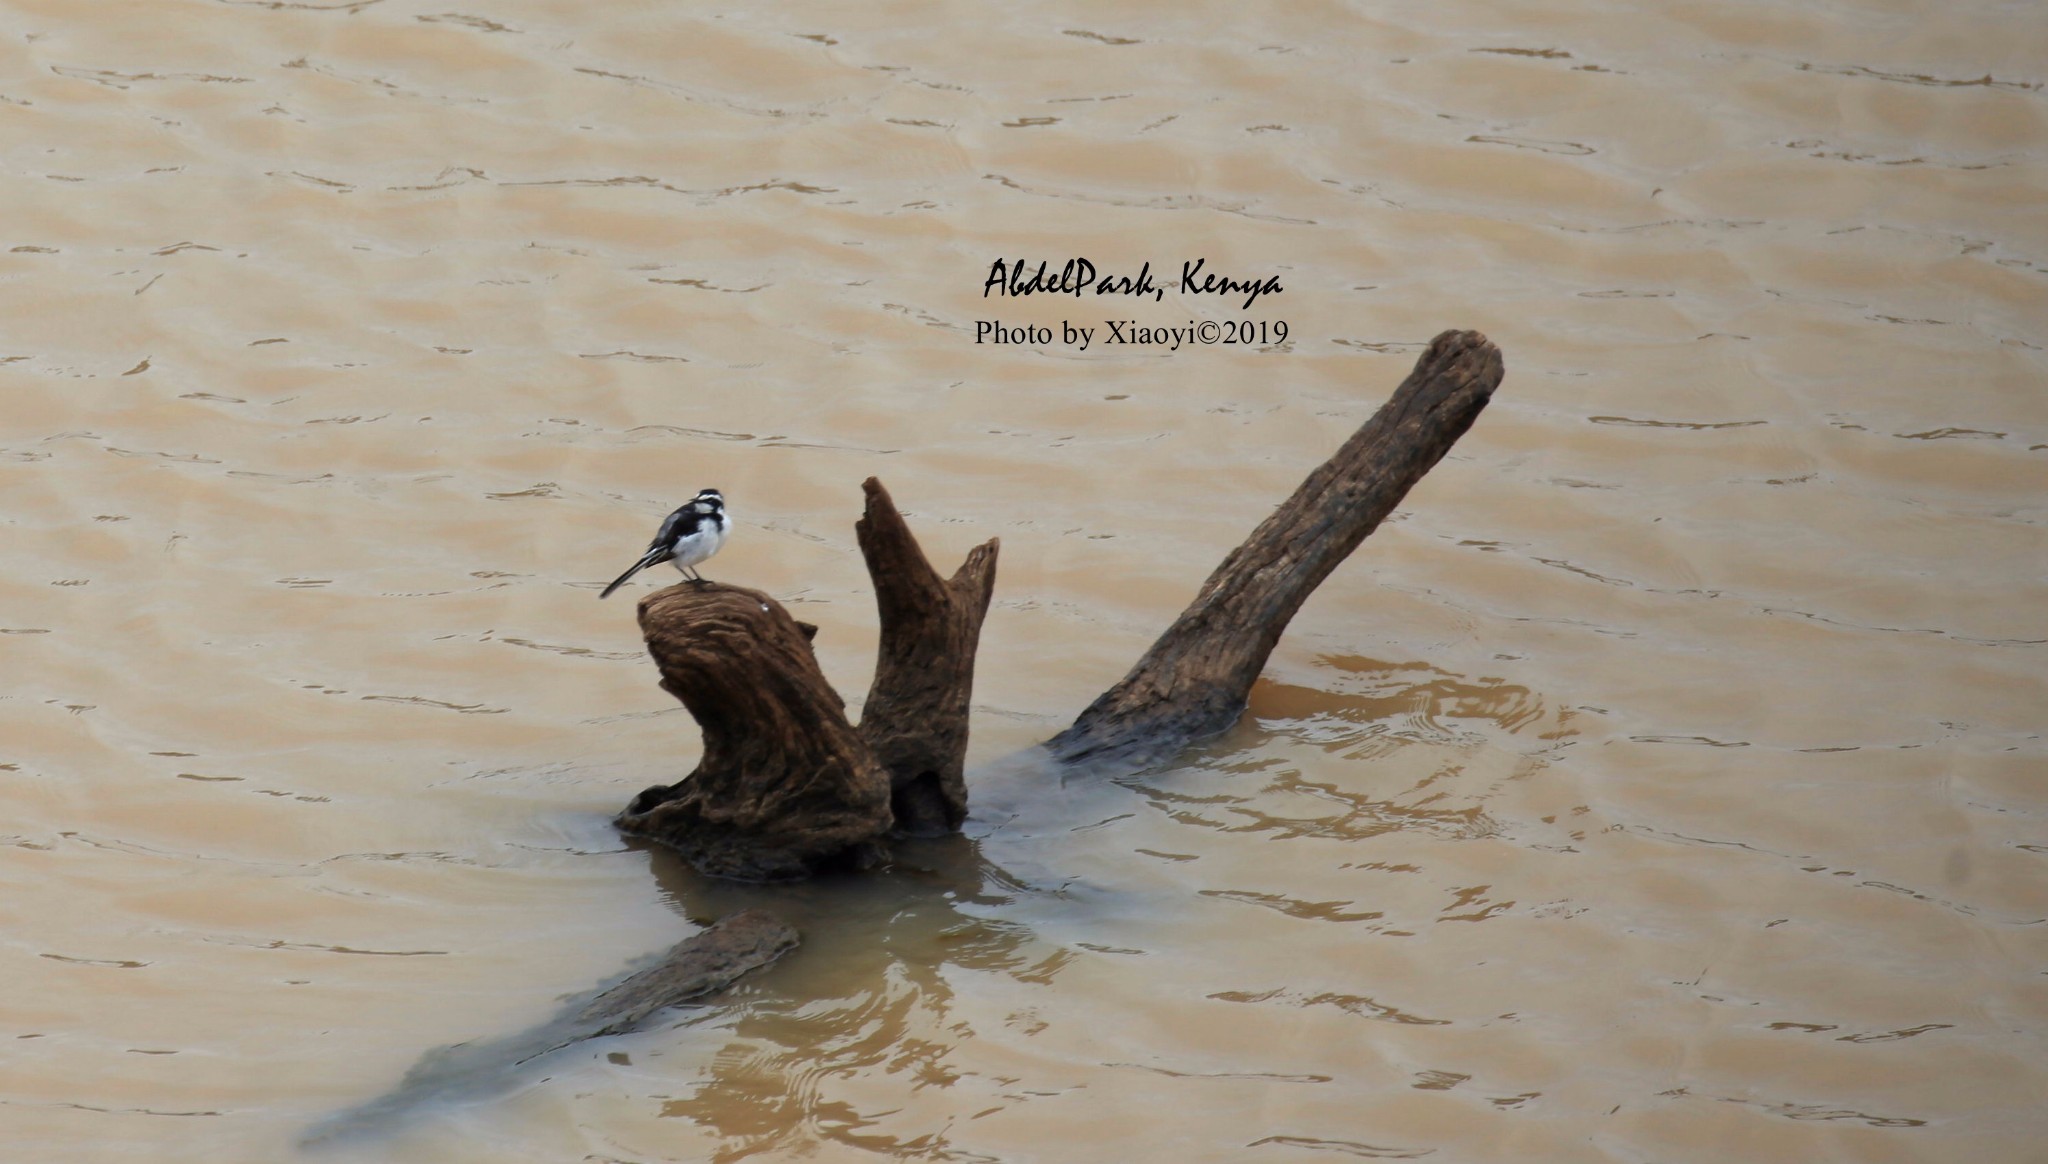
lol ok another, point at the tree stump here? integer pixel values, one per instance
(787, 787)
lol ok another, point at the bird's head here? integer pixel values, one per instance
(708, 501)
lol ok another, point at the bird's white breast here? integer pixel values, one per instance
(694, 548)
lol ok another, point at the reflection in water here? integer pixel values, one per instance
(881, 952)
(1370, 712)
(872, 994)
(1348, 1003)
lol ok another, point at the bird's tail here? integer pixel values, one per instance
(653, 556)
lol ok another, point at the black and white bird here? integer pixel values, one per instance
(689, 536)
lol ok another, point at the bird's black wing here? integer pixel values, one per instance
(661, 549)
(682, 521)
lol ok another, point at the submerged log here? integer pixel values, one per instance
(707, 961)
(697, 966)
(786, 788)
(1195, 680)
(915, 718)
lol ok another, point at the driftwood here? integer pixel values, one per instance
(697, 966)
(787, 787)
(1195, 679)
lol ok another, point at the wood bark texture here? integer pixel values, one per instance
(786, 787)
(915, 718)
(1195, 679)
(707, 961)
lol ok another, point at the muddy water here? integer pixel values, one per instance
(1665, 782)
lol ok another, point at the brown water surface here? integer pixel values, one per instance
(1664, 783)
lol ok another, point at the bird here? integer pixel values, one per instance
(690, 535)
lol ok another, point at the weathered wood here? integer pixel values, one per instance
(1194, 680)
(786, 787)
(915, 717)
(707, 961)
